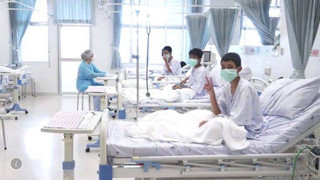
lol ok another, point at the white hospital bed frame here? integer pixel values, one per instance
(205, 166)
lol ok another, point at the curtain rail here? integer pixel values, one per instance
(27, 7)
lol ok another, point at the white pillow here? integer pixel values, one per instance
(288, 97)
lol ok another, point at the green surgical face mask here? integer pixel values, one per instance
(229, 74)
(193, 62)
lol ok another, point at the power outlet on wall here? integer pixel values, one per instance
(267, 71)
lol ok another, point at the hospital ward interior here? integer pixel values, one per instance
(159, 89)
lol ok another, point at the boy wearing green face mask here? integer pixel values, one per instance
(239, 101)
(171, 66)
(196, 79)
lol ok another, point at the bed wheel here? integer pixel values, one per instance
(16, 118)
(5, 148)
(87, 150)
(8, 111)
(26, 112)
(89, 138)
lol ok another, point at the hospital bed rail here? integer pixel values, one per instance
(259, 84)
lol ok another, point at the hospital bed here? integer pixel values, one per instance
(196, 103)
(269, 155)
(24, 78)
(5, 96)
(130, 73)
(17, 75)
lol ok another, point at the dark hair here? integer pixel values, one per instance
(166, 48)
(197, 52)
(234, 57)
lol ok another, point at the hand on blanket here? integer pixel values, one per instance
(160, 78)
(184, 81)
(176, 87)
(202, 123)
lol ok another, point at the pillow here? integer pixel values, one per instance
(287, 97)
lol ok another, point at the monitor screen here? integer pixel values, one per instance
(206, 56)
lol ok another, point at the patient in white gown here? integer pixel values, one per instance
(238, 99)
(196, 79)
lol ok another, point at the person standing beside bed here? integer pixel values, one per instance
(87, 71)
(196, 80)
(239, 101)
(171, 66)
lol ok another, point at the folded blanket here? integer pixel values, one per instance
(169, 125)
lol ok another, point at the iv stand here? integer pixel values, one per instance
(137, 64)
(148, 28)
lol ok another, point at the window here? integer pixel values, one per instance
(249, 33)
(34, 46)
(73, 41)
(167, 21)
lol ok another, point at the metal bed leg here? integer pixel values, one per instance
(25, 91)
(82, 100)
(34, 88)
(78, 101)
(89, 98)
(4, 134)
(31, 85)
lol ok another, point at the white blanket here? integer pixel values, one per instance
(9, 70)
(132, 83)
(169, 125)
(167, 95)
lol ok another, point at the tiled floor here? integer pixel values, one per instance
(42, 153)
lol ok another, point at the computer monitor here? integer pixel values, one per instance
(208, 58)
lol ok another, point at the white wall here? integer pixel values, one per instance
(101, 37)
(5, 49)
(46, 73)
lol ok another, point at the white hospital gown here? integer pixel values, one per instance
(243, 107)
(175, 68)
(197, 80)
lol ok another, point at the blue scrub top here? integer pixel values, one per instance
(86, 75)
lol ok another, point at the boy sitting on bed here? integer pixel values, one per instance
(238, 101)
(196, 79)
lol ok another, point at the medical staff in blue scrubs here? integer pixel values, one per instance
(87, 71)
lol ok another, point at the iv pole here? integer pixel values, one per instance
(137, 64)
(148, 28)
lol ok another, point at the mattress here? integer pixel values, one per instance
(279, 131)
